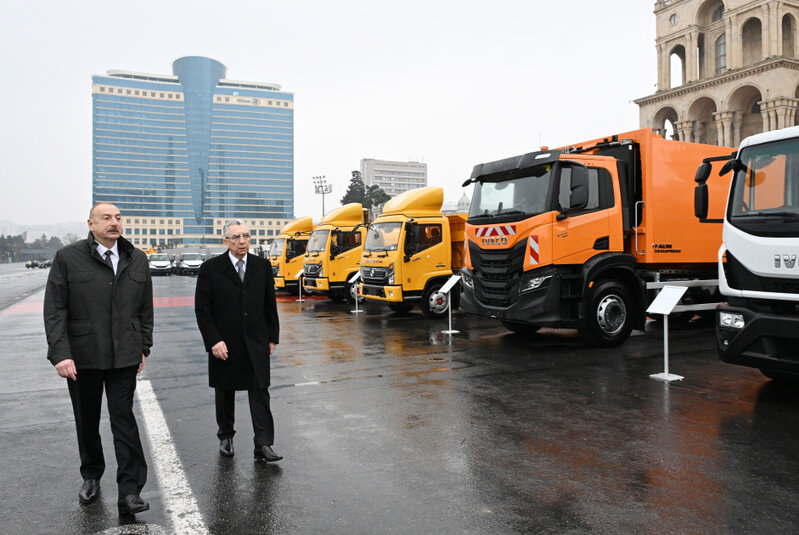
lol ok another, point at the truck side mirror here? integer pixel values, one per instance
(702, 173)
(700, 200)
(579, 188)
(728, 166)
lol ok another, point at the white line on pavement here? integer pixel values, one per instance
(179, 502)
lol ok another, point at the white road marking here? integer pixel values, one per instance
(179, 502)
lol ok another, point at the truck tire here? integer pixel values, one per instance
(520, 328)
(434, 303)
(401, 308)
(608, 320)
(352, 293)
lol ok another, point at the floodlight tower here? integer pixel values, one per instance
(321, 187)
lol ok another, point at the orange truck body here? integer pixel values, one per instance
(537, 259)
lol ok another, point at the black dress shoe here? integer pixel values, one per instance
(266, 453)
(226, 447)
(132, 504)
(88, 491)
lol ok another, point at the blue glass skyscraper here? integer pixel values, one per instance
(181, 154)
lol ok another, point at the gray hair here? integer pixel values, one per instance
(231, 223)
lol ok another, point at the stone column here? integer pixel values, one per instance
(691, 67)
(663, 82)
(734, 49)
(737, 119)
(685, 130)
(719, 125)
(766, 114)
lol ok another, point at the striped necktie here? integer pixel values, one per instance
(240, 269)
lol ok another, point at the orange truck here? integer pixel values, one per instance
(570, 237)
(287, 250)
(333, 254)
(411, 250)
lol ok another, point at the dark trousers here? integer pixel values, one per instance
(87, 397)
(261, 415)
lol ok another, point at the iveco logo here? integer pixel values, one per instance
(495, 240)
(787, 261)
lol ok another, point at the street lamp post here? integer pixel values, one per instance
(321, 187)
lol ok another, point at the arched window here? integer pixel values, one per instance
(787, 36)
(721, 54)
(677, 66)
(718, 14)
(752, 42)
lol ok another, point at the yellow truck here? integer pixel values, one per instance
(287, 250)
(411, 250)
(334, 252)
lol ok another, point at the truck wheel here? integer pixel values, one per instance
(401, 308)
(434, 302)
(520, 328)
(353, 293)
(608, 320)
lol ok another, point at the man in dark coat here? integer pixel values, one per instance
(237, 316)
(98, 316)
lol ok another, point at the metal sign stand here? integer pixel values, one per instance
(357, 292)
(664, 303)
(447, 289)
(299, 284)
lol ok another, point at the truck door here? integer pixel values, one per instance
(582, 232)
(424, 252)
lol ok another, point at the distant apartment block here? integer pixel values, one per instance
(181, 154)
(393, 177)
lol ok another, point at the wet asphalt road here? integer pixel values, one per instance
(387, 426)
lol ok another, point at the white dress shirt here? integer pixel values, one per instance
(114, 254)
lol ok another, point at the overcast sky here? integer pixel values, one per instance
(449, 83)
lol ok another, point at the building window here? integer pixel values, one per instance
(718, 14)
(721, 54)
(673, 19)
(160, 95)
(152, 93)
(227, 99)
(102, 89)
(127, 91)
(119, 91)
(169, 95)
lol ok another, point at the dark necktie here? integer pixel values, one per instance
(108, 261)
(240, 269)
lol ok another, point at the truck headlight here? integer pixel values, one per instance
(731, 321)
(277, 271)
(534, 283)
(390, 273)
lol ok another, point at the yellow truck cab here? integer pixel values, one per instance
(411, 250)
(287, 250)
(334, 252)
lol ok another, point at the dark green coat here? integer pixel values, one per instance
(243, 315)
(99, 320)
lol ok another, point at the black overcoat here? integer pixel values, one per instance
(243, 315)
(99, 320)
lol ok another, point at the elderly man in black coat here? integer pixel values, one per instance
(237, 316)
(98, 316)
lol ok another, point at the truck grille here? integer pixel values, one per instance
(497, 273)
(374, 275)
(741, 278)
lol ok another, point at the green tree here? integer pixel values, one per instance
(355, 191)
(374, 197)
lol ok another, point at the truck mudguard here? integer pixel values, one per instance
(621, 267)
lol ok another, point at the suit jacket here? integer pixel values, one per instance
(99, 320)
(243, 315)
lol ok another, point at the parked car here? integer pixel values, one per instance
(189, 264)
(160, 264)
(45, 263)
(31, 264)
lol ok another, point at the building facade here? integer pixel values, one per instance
(393, 177)
(182, 154)
(727, 69)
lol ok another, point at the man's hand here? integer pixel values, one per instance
(66, 368)
(219, 350)
(272, 346)
(141, 366)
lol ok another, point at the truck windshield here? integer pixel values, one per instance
(276, 249)
(383, 236)
(522, 196)
(764, 199)
(318, 241)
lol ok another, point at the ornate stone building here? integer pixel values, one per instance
(727, 69)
